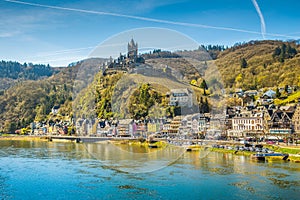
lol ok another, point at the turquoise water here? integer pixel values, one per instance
(42, 170)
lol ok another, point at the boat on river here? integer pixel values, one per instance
(153, 145)
(270, 156)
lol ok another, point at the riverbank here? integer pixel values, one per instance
(292, 157)
(23, 137)
(140, 143)
(293, 151)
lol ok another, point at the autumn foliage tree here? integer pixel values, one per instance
(142, 100)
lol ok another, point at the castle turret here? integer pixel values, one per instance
(132, 50)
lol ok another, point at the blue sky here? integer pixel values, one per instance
(59, 32)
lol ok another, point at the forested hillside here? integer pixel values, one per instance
(252, 65)
(15, 70)
(30, 100)
(260, 64)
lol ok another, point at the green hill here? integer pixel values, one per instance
(252, 65)
(118, 95)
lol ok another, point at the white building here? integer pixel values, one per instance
(181, 97)
(55, 110)
(243, 126)
(125, 128)
(247, 123)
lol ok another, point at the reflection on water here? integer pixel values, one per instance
(42, 150)
(141, 159)
(96, 171)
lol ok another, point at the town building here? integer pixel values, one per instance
(296, 120)
(55, 110)
(189, 127)
(270, 94)
(281, 121)
(174, 126)
(181, 97)
(125, 128)
(246, 126)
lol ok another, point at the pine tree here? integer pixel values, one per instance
(277, 93)
(203, 85)
(243, 63)
(286, 88)
(276, 52)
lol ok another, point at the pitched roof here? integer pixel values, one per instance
(182, 90)
(125, 121)
(269, 93)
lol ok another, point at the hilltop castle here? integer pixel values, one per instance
(125, 62)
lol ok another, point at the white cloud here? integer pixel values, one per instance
(8, 34)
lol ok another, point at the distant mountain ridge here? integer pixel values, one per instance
(13, 72)
(16, 70)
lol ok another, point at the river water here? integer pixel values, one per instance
(49, 170)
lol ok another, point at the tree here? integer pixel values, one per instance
(283, 48)
(10, 127)
(290, 51)
(276, 52)
(284, 52)
(144, 94)
(243, 63)
(203, 106)
(281, 57)
(278, 94)
(203, 85)
(286, 88)
(193, 82)
(142, 100)
(239, 78)
(65, 87)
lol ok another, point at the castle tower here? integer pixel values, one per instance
(132, 50)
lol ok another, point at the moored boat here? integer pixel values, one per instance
(264, 156)
(152, 145)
